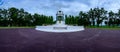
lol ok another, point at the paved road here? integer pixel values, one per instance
(30, 40)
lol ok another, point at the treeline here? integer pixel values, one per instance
(94, 17)
(19, 17)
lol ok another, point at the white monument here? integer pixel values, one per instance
(60, 25)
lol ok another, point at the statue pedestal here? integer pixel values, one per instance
(59, 27)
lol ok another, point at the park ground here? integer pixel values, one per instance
(31, 40)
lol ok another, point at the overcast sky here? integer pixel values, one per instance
(50, 7)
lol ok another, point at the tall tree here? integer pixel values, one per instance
(13, 12)
(111, 16)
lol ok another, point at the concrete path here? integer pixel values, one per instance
(31, 40)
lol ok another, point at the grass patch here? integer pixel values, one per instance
(105, 27)
(17, 27)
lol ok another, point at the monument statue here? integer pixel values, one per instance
(59, 16)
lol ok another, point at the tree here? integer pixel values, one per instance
(101, 14)
(91, 16)
(13, 12)
(118, 17)
(111, 20)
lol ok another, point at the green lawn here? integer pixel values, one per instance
(17, 27)
(101, 27)
(105, 27)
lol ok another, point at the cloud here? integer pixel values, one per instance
(1, 2)
(50, 7)
(109, 5)
(75, 7)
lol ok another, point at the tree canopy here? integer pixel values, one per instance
(20, 17)
(94, 17)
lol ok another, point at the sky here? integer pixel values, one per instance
(50, 7)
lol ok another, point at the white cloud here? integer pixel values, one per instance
(50, 7)
(112, 5)
(109, 5)
(75, 7)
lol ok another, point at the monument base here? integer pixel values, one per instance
(60, 27)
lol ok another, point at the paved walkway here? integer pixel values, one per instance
(31, 40)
